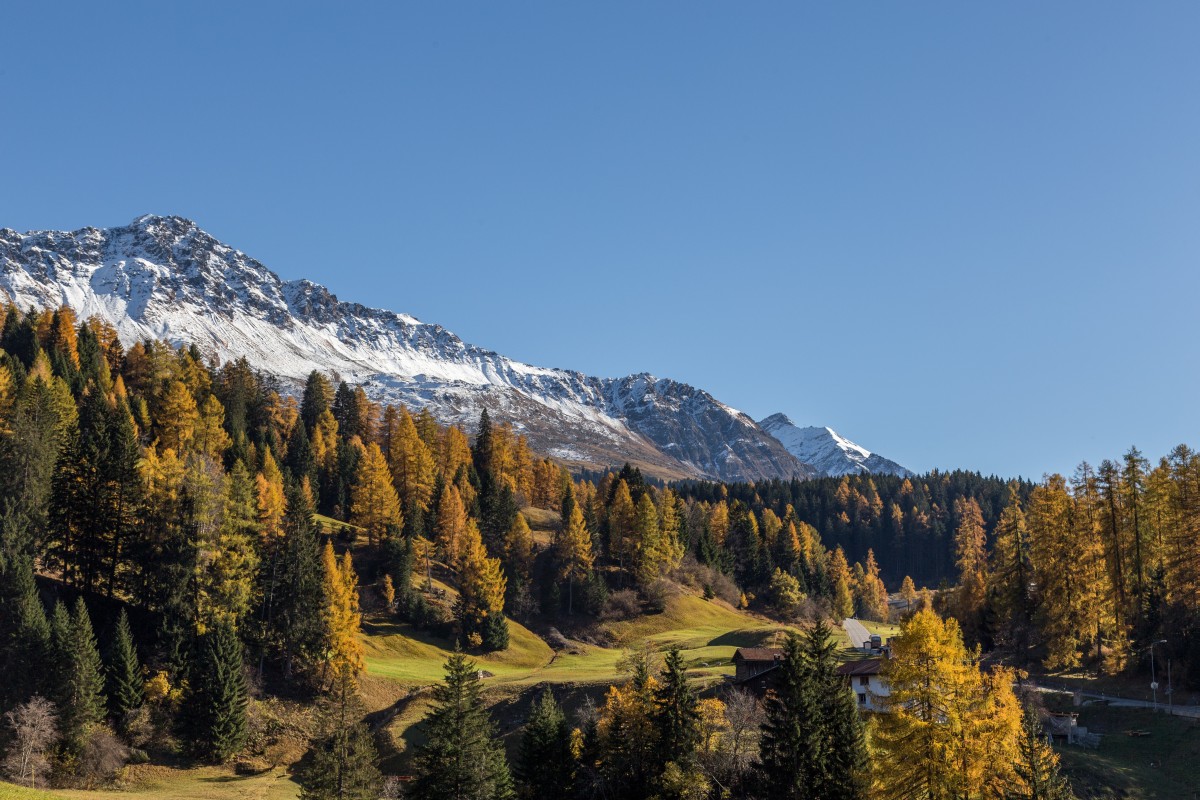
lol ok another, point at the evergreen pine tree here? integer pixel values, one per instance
(293, 629)
(675, 716)
(24, 631)
(344, 763)
(462, 756)
(843, 774)
(546, 766)
(813, 744)
(1037, 764)
(124, 674)
(788, 750)
(216, 708)
(494, 632)
(79, 690)
(316, 400)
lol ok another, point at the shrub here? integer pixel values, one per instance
(34, 728)
(621, 605)
(655, 596)
(702, 578)
(786, 596)
(102, 757)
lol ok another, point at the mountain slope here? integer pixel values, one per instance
(826, 451)
(164, 277)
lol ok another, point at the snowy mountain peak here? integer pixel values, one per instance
(164, 277)
(826, 450)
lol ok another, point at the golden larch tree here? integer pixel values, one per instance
(413, 466)
(839, 578)
(950, 731)
(573, 551)
(451, 526)
(272, 504)
(209, 436)
(177, 418)
(376, 508)
(970, 556)
(344, 657)
(481, 579)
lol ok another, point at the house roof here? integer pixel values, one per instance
(768, 654)
(868, 666)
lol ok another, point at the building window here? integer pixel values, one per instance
(864, 681)
(862, 699)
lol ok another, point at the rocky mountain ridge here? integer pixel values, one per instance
(164, 277)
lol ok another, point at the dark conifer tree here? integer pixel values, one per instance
(292, 631)
(344, 412)
(494, 632)
(316, 400)
(28, 455)
(91, 504)
(78, 674)
(792, 752)
(1037, 764)
(676, 717)
(842, 773)
(215, 713)
(24, 630)
(92, 366)
(344, 764)
(546, 766)
(812, 744)
(300, 459)
(20, 338)
(124, 673)
(462, 757)
(481, 452)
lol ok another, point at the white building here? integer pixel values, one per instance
(866, 680)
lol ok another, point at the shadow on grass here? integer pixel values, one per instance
(741, 639)
(378, 628)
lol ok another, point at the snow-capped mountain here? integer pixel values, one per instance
(826, 451)
(164, 277)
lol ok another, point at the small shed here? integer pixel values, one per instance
(749, 662)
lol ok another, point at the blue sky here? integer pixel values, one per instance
(962, 234)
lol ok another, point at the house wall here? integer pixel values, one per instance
(870, 697)
(748, 669)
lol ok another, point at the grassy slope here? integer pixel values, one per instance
(1161, 765)
(10, 792)
(708, 631)
(402, 663)
(164, 783)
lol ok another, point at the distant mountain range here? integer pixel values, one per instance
(826, 451)
(164, 277)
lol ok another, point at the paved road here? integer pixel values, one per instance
(1190, 711)
(857, 633)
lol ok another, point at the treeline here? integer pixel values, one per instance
(635, 534)
(908, 522)
(1092, 569)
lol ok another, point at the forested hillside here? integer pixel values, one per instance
(187, 554)
(1093, 569)
(179, 536)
